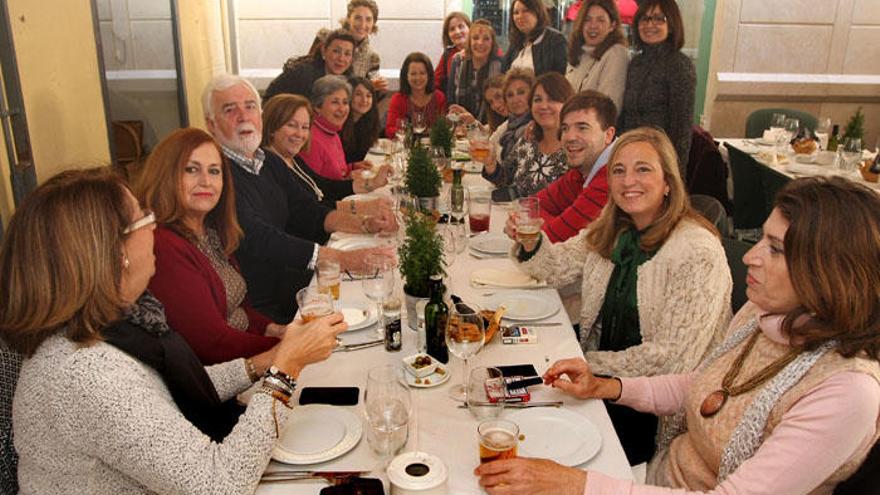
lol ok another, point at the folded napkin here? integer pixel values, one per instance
(509, 279)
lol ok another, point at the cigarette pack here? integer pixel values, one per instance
(516, 334)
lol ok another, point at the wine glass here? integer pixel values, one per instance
(850, 153)
(378, 284)
(464, 337)
(419, 122)
(484, 381)
(387, 407)
(777, 121)
(792, 126)
(400, 134)
(823, 130)
(447, 235)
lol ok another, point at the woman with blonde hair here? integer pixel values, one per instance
(110, 399)
(655, 283)
(470, 69)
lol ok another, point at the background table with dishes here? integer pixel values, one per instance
(334, 438)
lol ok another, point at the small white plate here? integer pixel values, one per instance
(491, 243)
(526, 306)
(358, 316)
(434, 379)
(317, 433)
(352, 243)
(557, 434)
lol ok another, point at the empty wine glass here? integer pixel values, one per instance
(447, 235)
(387, 407)
(850, 153)
(464, 337)
(792, 126)
(419, 123)
(777, 121)
(400, 134)
(378, 282)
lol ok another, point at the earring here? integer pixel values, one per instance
(125, 262)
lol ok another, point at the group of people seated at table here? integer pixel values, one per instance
(142, 309)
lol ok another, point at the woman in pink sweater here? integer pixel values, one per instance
(790, 401)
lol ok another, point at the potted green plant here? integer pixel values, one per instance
(855, 128)
(422, 178)
(442, 137)
(420, 256)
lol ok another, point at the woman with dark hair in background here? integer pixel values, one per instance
(536, 160)
(661, 81)
(470, 70)
(299, 75)
(493, 97)
(417, 94)
(360, 20)
(597, 53)
(456, 27)
(533, 43)
(361, 129)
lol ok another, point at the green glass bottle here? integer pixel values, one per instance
(456, 192)
(436, 314)
(834, 140)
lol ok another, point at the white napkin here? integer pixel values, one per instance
(509, 279)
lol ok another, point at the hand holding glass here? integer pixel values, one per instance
(528, 220)
(498, 439)
(313, 304)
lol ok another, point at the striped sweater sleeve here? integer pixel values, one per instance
(567, 206)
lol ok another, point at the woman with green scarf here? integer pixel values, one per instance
(655, 284)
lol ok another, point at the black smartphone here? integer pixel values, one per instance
(336, 396)
(356, 486)
(525, 370)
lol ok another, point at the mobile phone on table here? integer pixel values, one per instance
(356, 486)
(336, 396)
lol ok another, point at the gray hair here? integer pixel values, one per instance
(326, 86)
(221, 82)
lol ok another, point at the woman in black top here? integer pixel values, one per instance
(533, 43)
(361, 129)
(661, 81)
(333, 57)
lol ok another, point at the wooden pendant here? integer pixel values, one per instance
(713, 403)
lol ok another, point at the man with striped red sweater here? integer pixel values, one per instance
(574, 200)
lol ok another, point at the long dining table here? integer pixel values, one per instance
(437, 425)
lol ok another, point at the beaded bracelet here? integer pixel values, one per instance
(251, 370)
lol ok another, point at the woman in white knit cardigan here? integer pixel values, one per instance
(655, 284)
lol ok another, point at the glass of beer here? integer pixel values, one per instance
(528, 220)
(313, 303)
(480, 146)
(329, 276)
(498, 439)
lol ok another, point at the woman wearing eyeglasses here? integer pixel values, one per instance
(661, 81)
(110, 399)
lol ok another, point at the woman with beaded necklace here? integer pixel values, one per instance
(789, 402)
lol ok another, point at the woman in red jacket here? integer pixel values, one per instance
(188, 186)
(417, 94)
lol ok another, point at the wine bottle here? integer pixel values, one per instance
(834, 140)
(456, 192)
(436, 313)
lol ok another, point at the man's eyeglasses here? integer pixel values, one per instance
(149, 218)
(653, 19)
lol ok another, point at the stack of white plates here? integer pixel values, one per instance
(490, 244)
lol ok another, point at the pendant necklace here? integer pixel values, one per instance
(716, 400)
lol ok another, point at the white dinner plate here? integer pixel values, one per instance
(352, 243)
(526, 306)
(491, 243)
(557, 434)
(434, 379)
(361, 197)
(358, 316)
(317, 433)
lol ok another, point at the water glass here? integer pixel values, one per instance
(387, 407)
(464, 338)
(419, 122)
(378, 282)
(313, 303)
(777, 121)
(479, 208)
(483, 383)
(850, 154)
(329, 277)
(792, 126)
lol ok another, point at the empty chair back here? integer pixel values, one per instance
(759, 120)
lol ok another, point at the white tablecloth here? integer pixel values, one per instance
(439, 427)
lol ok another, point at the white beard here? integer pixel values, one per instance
(245, 144)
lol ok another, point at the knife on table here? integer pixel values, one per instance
(332, 477)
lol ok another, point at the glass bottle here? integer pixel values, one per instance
(456, 194)
(834, 140)
(436, 314)
(391, 317)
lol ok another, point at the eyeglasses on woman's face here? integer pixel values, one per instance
(653, 19)
(149, 218)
